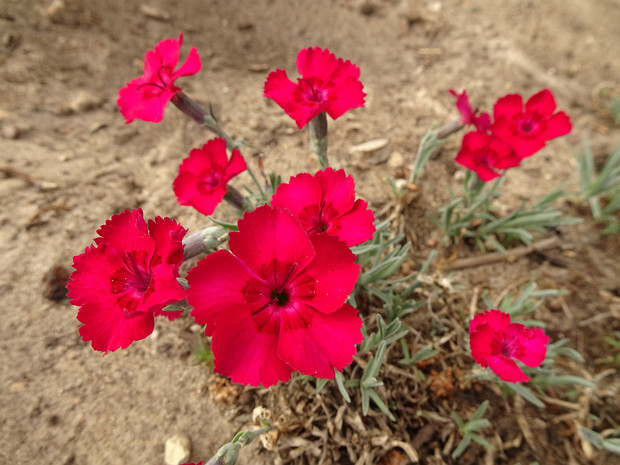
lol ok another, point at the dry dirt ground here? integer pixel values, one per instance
(69, 162)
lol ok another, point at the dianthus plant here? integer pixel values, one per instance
(495, 144)
(277, 290)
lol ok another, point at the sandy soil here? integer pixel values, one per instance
(69, 162)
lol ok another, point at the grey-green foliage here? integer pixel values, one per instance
(601, 190)
(470, 428)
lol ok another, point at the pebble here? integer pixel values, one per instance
(373, 151)
(154, 13)
(56, 10)
(84, 101)
(10, 131)
(177, 450)
(397, 160)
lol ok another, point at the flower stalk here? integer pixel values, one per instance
(203, 117)
(318, 138)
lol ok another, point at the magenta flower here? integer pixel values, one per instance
(327, 84)
(126, 279)
(484, 153)
(146, 97)
(326, 203)
(528, 129)
(481, 121)
(495, 342)
(276, 302)
(204, 175)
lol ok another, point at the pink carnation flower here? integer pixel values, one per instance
(495, 342)
(146, 97)
(326, 203)
(484, 153)
(204, 175)
(327, 84)
(468, 116)
(126, 279)
(276, 302)
(528, 129)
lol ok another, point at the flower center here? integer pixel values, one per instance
(130, 282)
(528, 126)
(280, 297)
(320, 222)
(209, 180)
(508, 346)
(313, 90)
(164, 75)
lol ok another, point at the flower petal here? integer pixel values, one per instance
(507, 369)
(90, 280)
(315, 62)
(355, 226)
(216, 282)
(496, 319)
(126, 231)
(168, 236)
(192, 64)
(338, 189)
(542, 103)
(326, 283)
(270, 241)
(558, 125)
(532, 346)
(349, 94)
(279, 88)
(315, 344)
(107, 328)
(164, 289)
(244, 353)
(302, 196)
(483, 343)
(508, 106)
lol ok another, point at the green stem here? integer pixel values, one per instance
(318, 138)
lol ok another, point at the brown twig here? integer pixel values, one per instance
(494, 257)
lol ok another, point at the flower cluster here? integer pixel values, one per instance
(282, 288)
(516, 132)
(495, 342)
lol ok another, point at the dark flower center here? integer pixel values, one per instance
(280, 297)
(210, 180)
(131, 281)
(528, 126)
(508, 346)
(319, 223)
(313, 90)
(164, 74)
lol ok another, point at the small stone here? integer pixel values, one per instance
(56, 10)
(396, 160)
(154, 13)
(10, 131)
(373, 151)
(84, 101)
(177, 449)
